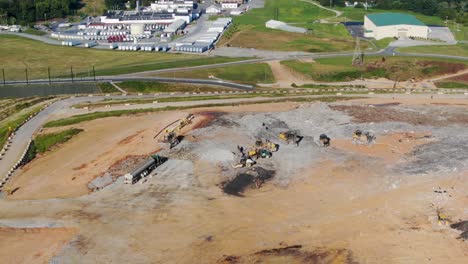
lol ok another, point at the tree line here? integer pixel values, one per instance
(25, 12)
(456, 10)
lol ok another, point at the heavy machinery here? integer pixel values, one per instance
(144, 169)
(257, 153)
(291, 137)
(267, 144)
(171, 134)
(361, 137)
(324, 140)
(245, 160)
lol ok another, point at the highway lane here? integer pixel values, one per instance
(118, 78)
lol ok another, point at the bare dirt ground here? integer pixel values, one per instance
(32, 245)
(285, 77)
(347, 203)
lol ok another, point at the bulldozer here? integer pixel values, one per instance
(290, 137)
(171, 134)
(257, 153)
(363, 137)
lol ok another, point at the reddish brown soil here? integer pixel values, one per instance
(364, 114)
(460, 78)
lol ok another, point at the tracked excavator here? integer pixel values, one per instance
(171, 133)
(290, 137)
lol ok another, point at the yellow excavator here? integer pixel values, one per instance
(171, 134)
(290, 137)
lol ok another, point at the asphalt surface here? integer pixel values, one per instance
(129, 77)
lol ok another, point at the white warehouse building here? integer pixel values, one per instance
(394, 25)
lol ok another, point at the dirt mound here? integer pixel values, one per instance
(294, 254)
(462, 226)
(367, 114)
(254, 177)
(125, 165)
(462, 78)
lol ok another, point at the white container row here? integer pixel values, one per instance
(90, 44)
(70, 43)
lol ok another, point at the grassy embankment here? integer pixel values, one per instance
(34, 31)
(248, 73)
(357, 14)
(393, 68)
(249, 29)
(178, 99)
(46, 142)
(158, 87)
(21, 53)
(452, 85)
(97, 115)
(11, 125)
(455, 50)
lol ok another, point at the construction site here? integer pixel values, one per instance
(363, 179)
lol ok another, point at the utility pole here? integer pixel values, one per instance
(358, 57)
(71, 73)
(94, 73)
(27, 79)
(48, 74)
(3, 73)
(331, 3)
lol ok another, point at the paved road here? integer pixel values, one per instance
(134, 77)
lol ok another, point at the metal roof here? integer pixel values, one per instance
(391, 19)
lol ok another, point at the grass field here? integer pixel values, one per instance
(249, 29)
(249, 73)
(17, 53)
(456, 50)
(158, 87)
(176, 99)
(36, 32)
(357, 14)
(46, 142)
(452, 85)
(460, 31)
(393, 68)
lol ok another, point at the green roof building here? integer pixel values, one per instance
(394, 25)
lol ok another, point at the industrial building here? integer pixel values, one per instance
(230, 4)
(394, 25)
(207, 37)
(275, 24)
(213, 9)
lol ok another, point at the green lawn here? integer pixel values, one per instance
(248, 73)
(289, 11)
(36, 32)
(17, 53)
(383, 43)
(8, 126)
(456, 50)
(357, 14)
(249, 29)
(452, 85)
(45, 142)
(394, 68)
(158, 87)
(460, 31)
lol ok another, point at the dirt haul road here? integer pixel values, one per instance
(343, 204)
